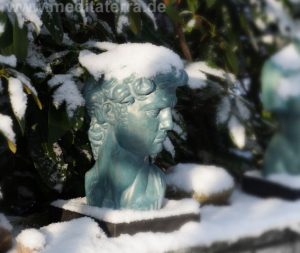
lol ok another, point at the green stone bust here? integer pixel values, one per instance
(129, 123)
(281, 95)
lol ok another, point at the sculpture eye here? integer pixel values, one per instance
(153, 113)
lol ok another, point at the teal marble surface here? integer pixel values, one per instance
(129, 123)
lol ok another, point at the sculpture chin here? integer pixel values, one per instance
(157, 147)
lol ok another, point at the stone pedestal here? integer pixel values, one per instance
(264, 188)
(5, 240)
(115, 222)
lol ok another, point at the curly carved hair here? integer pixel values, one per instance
(97, 93)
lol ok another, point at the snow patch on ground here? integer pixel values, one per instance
(291, 181)
(247, 216)
(170, 208)
(202, 179)
(142, 60)
(32, 239)
(4, 223)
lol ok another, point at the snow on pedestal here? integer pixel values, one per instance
(291, 181)
(245, 217)
(279, 185)
(78, 235)
(207, 184)
(170, 208)
(170, 217)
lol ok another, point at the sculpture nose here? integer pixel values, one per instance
(166, 121)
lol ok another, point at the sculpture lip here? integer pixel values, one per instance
(160, 138)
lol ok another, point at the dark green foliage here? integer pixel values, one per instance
(53, 152)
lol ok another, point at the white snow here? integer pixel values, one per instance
(202, 179)
(289, 87)
(105, 45)
(27, 10)
(169, 147)
(243, 110)
(17, 96)
(170, 208)
(223, 110)
(206, 69)
(36, 59)
(4, 223)
(67, 92)
(6, 127)
(197, 79)
(8, 60)
(139, 59)
(63, 237)
(291, 181)
(2, 28)
(288, 58)
(25, 80)
(32, 239)
(237, 132)
(247, 216)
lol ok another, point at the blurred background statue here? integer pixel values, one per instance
(281, 95)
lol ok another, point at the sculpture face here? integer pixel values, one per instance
(147, 122)
(130, 120)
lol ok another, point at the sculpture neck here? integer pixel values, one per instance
(121, 164)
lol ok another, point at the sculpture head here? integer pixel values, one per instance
(129, 101)
(136, 111)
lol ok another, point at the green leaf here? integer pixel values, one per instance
(58, 123)
(78, 118)
(173, 14)
(6, 37)
(210, 3)
(193, 5)
(12, 146)
(52, 21)
(36, 98)
(135, 22)
(20, 41)
(233, 61)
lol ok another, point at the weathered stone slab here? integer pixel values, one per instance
(169, 222)
(265, 189)
(284, 241)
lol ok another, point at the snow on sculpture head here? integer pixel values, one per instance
(130, 99)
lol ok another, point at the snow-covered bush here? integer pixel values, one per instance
(43, 143)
